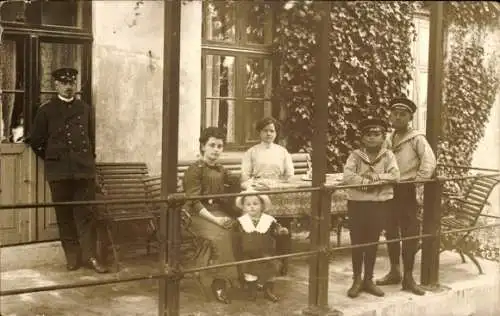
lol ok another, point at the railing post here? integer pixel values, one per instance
(429, 275)
(432, 194)
(320, 205)
(168, 300)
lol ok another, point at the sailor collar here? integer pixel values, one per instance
(363, 155)
(410, 134)
(262, 227)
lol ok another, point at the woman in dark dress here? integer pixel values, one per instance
(212, 219)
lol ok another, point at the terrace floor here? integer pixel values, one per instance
(463, 291)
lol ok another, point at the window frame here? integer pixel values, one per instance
(33, 33)
(241, 50)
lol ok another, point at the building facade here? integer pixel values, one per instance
(227, 75)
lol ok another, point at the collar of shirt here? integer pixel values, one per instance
(65, 99)
(266, 145)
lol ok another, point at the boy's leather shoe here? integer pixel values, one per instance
(409, 285)
(393, 277)
(357, 286)
(371, 288)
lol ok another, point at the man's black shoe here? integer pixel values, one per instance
(96, 266)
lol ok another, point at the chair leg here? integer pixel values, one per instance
(284, 245)
(340, 224)
(113, 247)
(473, 259)
(461, 253)
(202, 287)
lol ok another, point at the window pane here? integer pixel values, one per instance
(258, 28)
(63, 13)
(11, 90)
(221, 113)
(258, 78)
(219, 76)
(13, 11)
(57, 55)
(254, 111)
(220, 21)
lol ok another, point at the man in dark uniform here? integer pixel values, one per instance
(62, 136)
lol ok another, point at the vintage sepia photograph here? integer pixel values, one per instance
(249, 157)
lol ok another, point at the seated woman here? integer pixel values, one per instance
(212, 219)
(266, 161)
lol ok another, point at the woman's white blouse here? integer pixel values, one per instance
(267, 161)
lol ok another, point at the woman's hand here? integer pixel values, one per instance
(224, 221)
(282, 231)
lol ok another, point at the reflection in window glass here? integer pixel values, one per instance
(62, 13)
(220, 21)
(254, 111)
(258, 28)
(258, 78)
(11, 91)
(13, 11)
(57, 55)
(220, 76)
(221, 113)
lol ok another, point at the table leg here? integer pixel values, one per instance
(283, 244)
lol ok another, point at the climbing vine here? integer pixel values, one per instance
(470, 88)
(370, 64)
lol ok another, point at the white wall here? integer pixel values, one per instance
(128, 81)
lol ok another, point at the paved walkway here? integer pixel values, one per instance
(140, 298)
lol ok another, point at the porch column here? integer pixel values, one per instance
(432, 194)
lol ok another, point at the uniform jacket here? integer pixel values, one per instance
(415, 157)
(62, 135)
(358, 165)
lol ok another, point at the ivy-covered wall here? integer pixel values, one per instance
(371, 63)
(370, 60)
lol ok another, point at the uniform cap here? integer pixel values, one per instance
(65, 74)
(404, 104)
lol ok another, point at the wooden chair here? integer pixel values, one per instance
(464, 213)
(122, 181)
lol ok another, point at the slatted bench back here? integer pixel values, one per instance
(475, 199)
(153, 184)
(124, 181)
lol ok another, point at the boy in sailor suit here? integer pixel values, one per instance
(416, 161)
(367, 205)
(255, 237)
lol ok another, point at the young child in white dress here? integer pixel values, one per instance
(255, 237)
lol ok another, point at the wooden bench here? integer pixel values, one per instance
(464, 211)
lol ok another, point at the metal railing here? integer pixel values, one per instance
(169, 264)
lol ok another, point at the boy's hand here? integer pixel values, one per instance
(364, 182)
(373, 177)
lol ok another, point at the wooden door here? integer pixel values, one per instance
(46, 216)
(17, 186)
